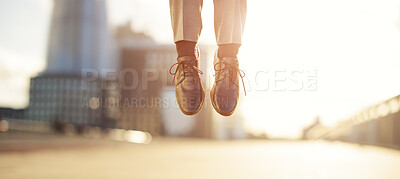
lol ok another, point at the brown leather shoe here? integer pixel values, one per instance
(189, 91)
(225, 91)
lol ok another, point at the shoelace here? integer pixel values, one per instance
(233, 69)
(189, 69)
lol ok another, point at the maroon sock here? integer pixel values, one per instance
(228, 50)
(185, 48)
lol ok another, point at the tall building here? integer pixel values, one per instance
(79, 37)
(79, 41)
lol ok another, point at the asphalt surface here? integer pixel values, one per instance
(33, 155)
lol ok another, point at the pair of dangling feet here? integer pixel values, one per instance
(189, 90)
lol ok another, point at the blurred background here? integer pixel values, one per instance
(85, 84)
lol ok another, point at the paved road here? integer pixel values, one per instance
(28, 155)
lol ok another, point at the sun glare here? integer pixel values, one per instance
(354, 54)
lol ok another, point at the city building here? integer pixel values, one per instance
(78, 43)
(63, 98)
(10, 113)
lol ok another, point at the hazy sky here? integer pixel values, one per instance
(354, 45)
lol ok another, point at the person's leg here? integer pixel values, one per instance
(186, 48)
(228, 50)
(186, 24)
(229, 20)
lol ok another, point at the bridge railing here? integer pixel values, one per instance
(376, 125)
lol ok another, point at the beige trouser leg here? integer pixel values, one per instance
(186, 19)
(229, 20)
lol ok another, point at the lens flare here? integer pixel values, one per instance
(137, 137)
